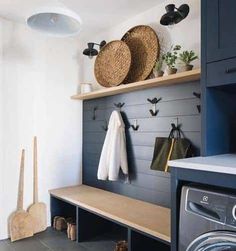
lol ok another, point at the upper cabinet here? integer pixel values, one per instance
(220, 35)
(218, 78)
(221, 29)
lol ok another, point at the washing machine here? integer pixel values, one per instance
(207, 220)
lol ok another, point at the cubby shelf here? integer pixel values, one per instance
(177, 78)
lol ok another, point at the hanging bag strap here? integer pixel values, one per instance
(169, 154)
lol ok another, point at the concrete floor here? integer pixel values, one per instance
(52, 240)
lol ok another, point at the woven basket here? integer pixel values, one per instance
(112, 64)
(145, 49)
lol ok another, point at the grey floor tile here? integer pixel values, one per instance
(59, 242)
(52, 240)
(4, 246)
(28, 244)
(101, 243)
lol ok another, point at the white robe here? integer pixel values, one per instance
(114, 155)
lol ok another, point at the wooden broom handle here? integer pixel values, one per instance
(21, 182)
(35, 165)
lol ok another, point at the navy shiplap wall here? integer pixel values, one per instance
(148, 185)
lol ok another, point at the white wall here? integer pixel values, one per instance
(38, 75)
(186, 33)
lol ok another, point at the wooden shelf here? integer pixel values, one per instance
(166, 80)
(142, 216)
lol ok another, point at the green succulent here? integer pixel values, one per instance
(171, 56)
(187, 57)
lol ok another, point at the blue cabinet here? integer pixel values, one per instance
(220, 41)
(218, 81)
(221, 29)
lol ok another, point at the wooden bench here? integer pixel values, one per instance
(138, 217)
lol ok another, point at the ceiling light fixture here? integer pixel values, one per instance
(90, 51)
(174, 15)
(56, 21)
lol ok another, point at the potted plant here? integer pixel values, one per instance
(158, 67)
(170, 58)
(187, 57)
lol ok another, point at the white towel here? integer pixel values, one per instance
(114, 155)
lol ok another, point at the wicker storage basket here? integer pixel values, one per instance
(112, 64)
(145, 49)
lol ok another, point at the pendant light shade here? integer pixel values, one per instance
(174, 15)
(55, 21)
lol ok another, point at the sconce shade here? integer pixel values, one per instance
(57, 21)
(90, 51)
(174, 15)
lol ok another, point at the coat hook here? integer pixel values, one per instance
(198, 95)
(119, 105)
(135, 127)
(94, 112)
(105, 127)
(199, 108)
(176, 124)
(154, 102)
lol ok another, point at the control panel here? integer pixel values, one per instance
(214, 206)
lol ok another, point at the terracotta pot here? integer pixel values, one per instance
(188, 67)
(159, 73)
(171, 71)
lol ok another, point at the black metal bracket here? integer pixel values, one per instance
(154, 110)
(94, 112)
(119, 105)
(198, 95)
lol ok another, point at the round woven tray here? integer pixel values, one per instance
(112, 63)
(145, 49)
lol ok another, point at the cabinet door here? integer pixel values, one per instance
(221, 29)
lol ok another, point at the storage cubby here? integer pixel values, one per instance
(219, 124)
(104, 218)
(62, 208)
(92, 227)
(141, 242)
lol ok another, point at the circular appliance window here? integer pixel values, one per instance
(214, 241)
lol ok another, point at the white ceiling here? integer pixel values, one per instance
(96, 15)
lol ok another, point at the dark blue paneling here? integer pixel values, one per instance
(145, 184)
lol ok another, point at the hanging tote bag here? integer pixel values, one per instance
(171, 148)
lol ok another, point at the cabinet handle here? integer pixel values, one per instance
(230, 70)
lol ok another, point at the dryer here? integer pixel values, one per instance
(207, 220)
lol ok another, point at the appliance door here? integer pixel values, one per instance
(214, 241)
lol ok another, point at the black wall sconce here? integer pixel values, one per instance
(174, 15)
(90, 51)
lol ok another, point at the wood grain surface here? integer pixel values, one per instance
(143, 216)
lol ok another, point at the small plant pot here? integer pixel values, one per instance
(159, 73)
(188, 67)
(171, 71)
